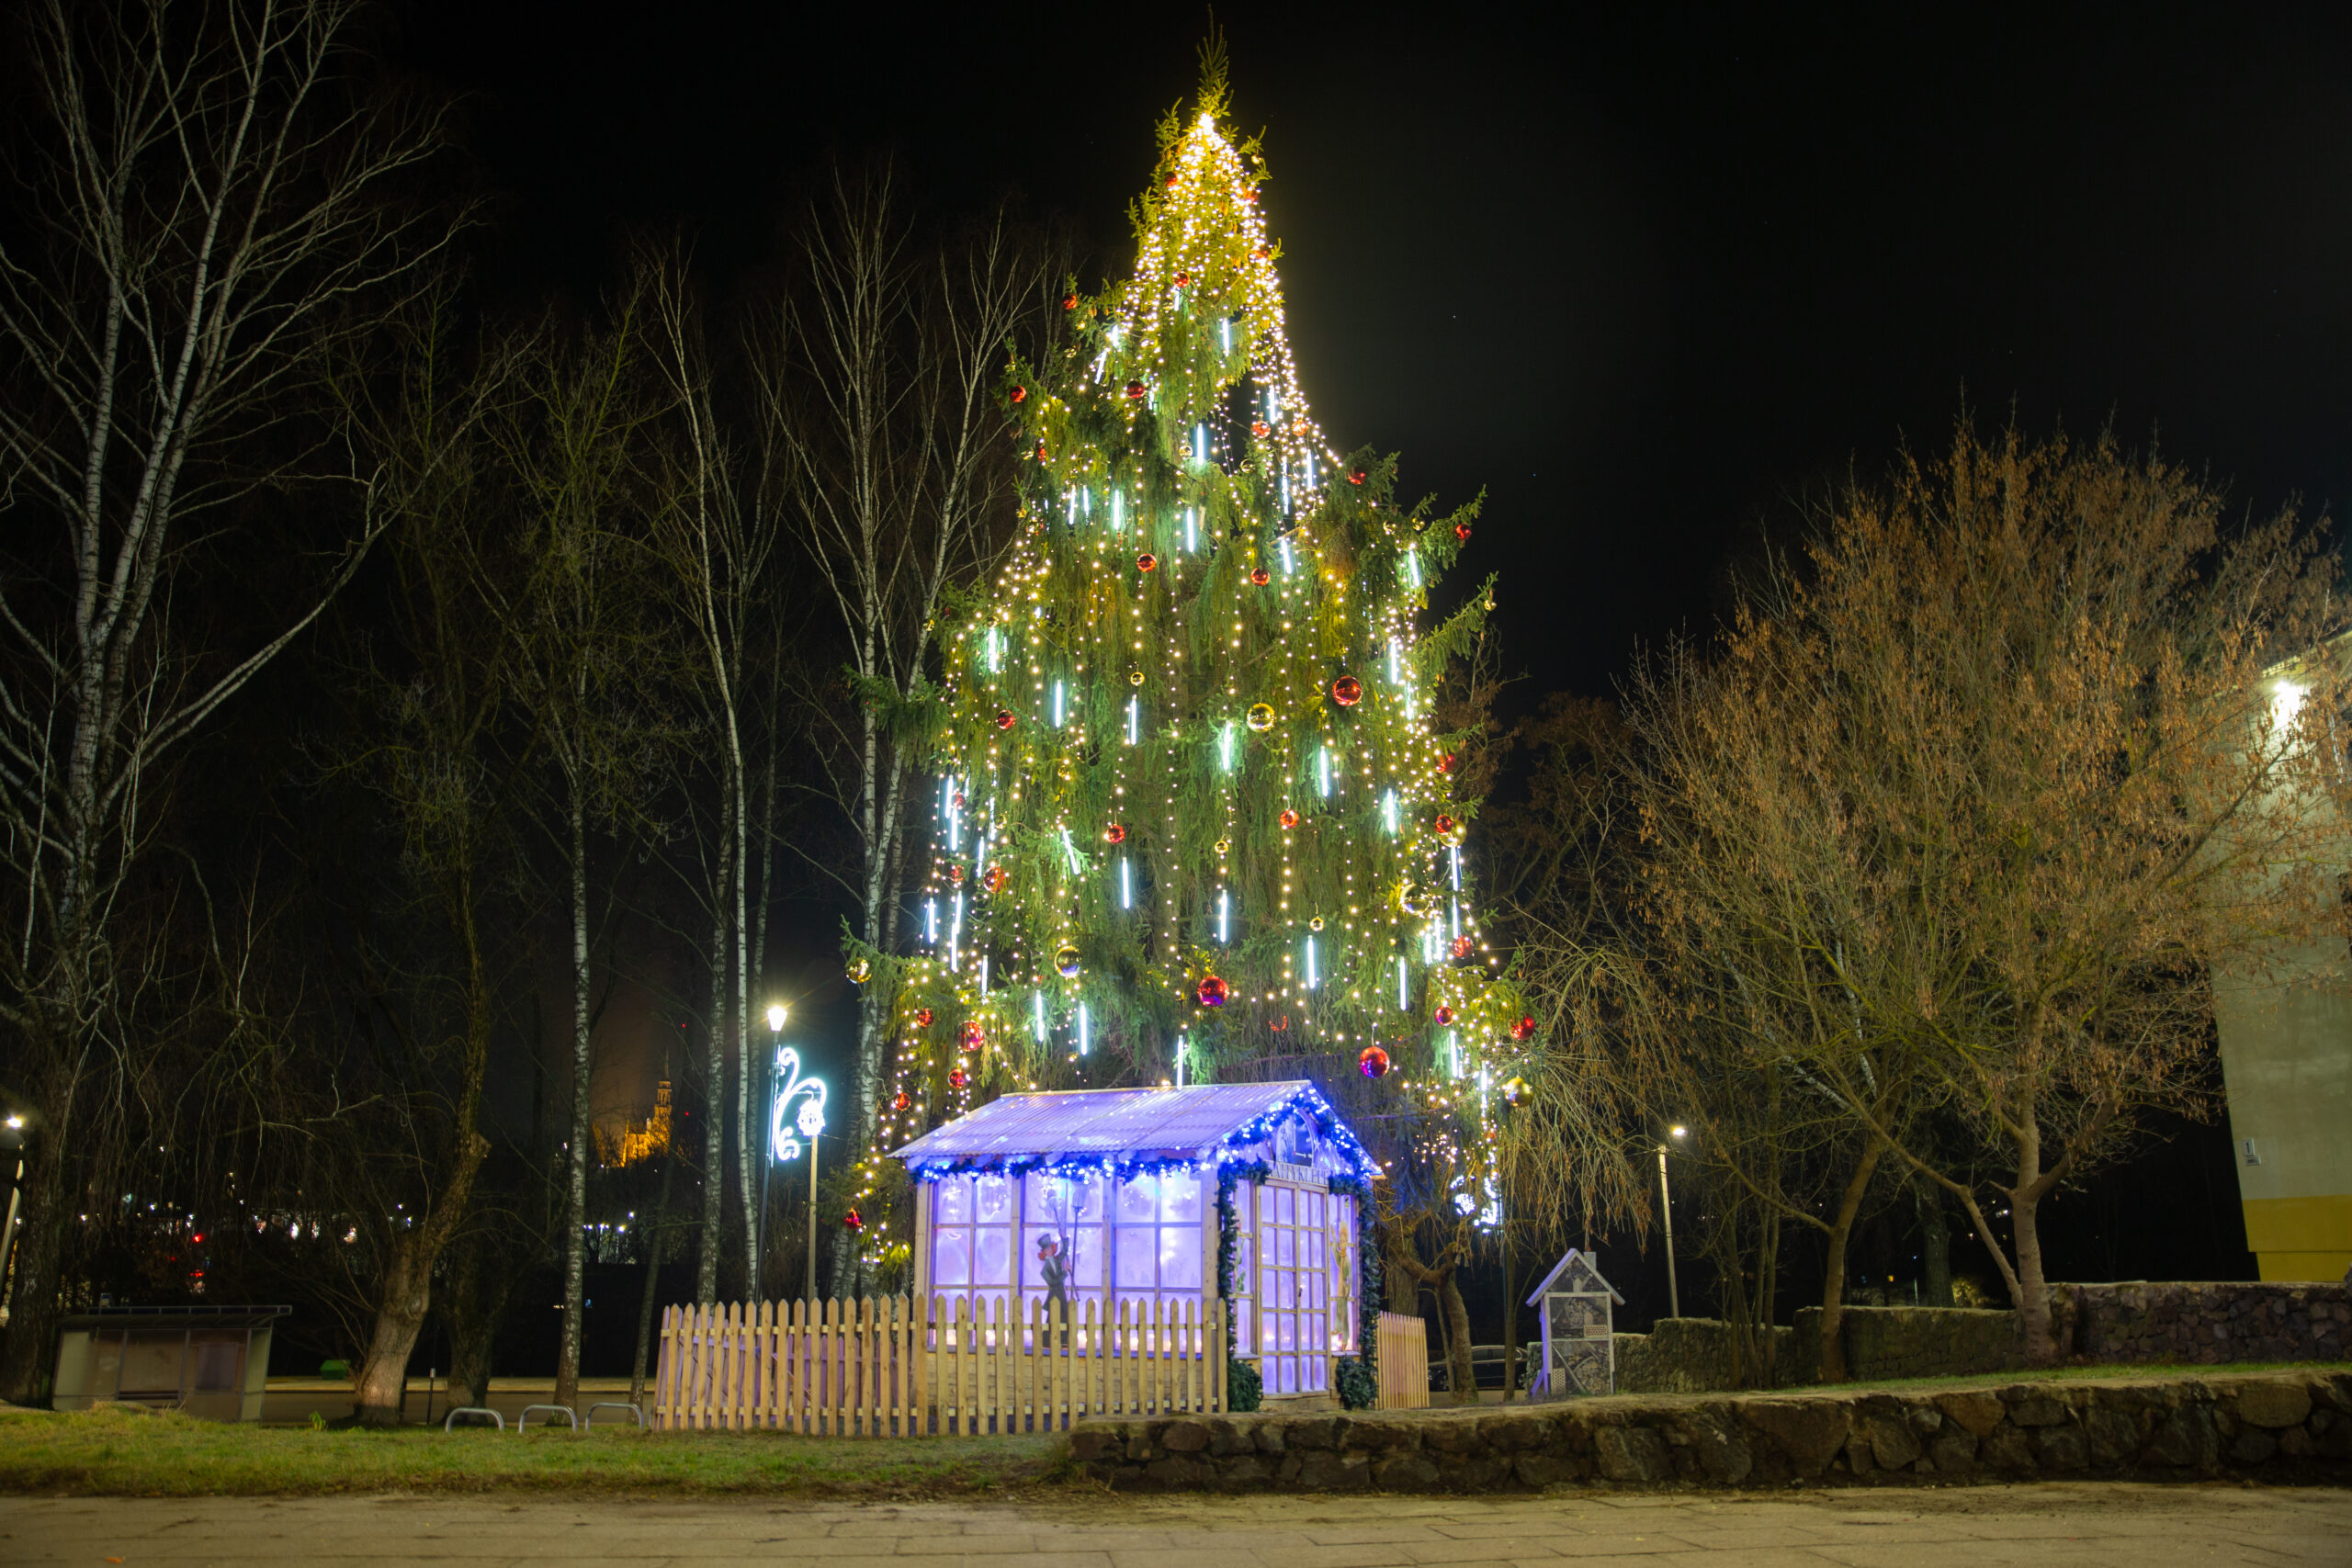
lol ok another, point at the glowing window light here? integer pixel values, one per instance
(1134, 720)
(1058, 705)
(1037, 1015)
(1126, 886)
(1323, 770)
(1388, 811)
(1225, 747)
(1224, 915)
(1311, 978)
(1085, 1031)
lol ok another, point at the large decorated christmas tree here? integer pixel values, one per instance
(1193, 810)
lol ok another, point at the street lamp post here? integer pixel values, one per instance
(1666, 1206)
(777, 1015)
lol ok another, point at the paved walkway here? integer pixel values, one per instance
(2046, 1525)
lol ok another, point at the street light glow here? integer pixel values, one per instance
(775, 1018)
(1674, 1132)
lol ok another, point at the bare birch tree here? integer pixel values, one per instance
(573, 447)
(878, 381)
(211, 206)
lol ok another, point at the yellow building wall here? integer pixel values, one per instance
(2286, 1064)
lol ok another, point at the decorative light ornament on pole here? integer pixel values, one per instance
(808, 1118)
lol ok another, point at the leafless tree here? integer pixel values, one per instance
(877, 382)
(211, 206)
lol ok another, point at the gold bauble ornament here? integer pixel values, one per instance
(1261, 717)
(1223, 846)
(1316, 924)
(1065, 962)
(1518, 1093)
(860, 971)
(1135, 677)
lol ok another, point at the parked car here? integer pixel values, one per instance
(1486, 1362)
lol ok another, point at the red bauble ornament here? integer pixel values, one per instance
(1372, 1062)
(1004, 718)
(959, 800)
(1070, 301)
(1171, 182)
(1116, 833)
(1134, 389)
(1019, 394)
(1347, 690)
(1461, 530)
(1249, 194)
(1461, 947)
(1182, 279)
(1445, 1015)
(955, 874)
(902, 1101)
(1445, 826)
(1261, 576)
(1041, 451)
(851, 1222)
(1523, 1029)
(1258, 428)
(974, 1036)
(1146, 562)
(922, 1018)
(958, 1077)
(1290, 817)
(1212, 991)
(1355, 476)
(1281, 1022)
(995, 879)
(1445, 763)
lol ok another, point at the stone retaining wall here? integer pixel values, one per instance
(2274, 1426)
(2186, 1323)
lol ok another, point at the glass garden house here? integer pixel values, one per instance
(1122, 1196)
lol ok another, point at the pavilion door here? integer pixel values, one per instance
(1296, 1256)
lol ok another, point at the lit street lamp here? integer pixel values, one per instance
(1666, 1206)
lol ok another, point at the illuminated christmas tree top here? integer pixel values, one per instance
(1191, 804)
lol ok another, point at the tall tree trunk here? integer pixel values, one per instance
(744, 1142)
(714, 1132)
(660, 1243)
(1935, 1244)
(472, 1307)
(1461, 1371)
(575, 1208)
(1833, 1265)
(36, 1286)
(2033, 1291)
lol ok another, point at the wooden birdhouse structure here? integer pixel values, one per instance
(1579, 1347)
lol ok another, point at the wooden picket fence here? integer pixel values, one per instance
(1404, 1363)
(893, 1368)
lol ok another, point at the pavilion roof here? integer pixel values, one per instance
(1125, 1127)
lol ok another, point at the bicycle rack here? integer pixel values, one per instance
(568, 1414)
(636, 1411)
(473, 1410)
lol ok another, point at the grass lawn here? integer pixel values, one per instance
(119, 1453)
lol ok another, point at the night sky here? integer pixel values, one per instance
(1646, 281)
